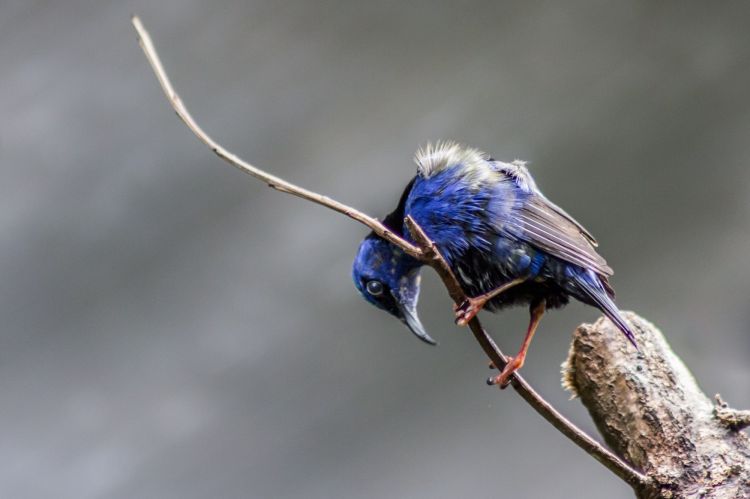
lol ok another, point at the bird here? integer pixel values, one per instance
(506, 243)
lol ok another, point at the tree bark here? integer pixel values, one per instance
(650, 411)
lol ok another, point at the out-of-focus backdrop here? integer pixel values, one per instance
(173, 329)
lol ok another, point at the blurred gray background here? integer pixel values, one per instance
(172, 328)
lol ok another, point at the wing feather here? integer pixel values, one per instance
(565, 215)
(541, 223)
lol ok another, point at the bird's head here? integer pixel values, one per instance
(389, 279)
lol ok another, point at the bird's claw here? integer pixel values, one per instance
(467, 310)
(504, 378)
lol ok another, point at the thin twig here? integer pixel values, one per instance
(273, 181)
(619, 467)
(425, 251)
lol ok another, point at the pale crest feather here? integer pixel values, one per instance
(434, 158)
(477, 165)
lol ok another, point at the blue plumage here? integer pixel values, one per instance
(498, 232)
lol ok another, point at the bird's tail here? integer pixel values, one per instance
(595, 290)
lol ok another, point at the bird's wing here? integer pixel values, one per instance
(543, 224)
(565, 215)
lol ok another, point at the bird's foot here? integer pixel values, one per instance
(468, 310)
(503, 379)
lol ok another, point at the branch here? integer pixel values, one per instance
(426, 251)
(650, 409)
(734, 419)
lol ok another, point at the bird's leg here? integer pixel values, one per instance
(471, 306)
(514, 363)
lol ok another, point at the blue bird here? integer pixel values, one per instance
(505, 241)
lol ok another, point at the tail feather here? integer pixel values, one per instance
(596, 292)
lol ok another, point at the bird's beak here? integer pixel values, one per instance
(407, 296)
(415, 325)
(411, 319)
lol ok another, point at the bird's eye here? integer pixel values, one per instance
(375, 288)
